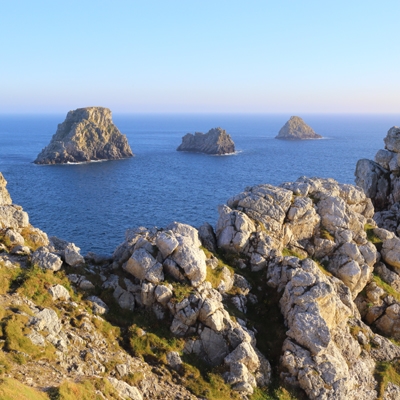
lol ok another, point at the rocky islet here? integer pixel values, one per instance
(216, 141)
(87, 134)
(328, 259)
(296, 129)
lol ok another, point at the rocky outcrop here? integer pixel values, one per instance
(297, 129)
(87, 134)
(380, 180)
(215, 141)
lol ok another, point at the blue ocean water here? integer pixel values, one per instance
(93, 204)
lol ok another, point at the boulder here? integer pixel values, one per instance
(72, 255)
(59, 292)
(126, 391)
(86, 134)
(46, 260)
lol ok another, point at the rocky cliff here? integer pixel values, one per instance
(294, 294)
(215, 141)
(296, 129)
(87, 134)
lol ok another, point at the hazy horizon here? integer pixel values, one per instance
(196, 57)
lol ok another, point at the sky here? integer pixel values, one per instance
(200, 56)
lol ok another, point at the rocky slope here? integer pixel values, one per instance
(215, 141)
(295, 294)
(297, 129)
(87, 134)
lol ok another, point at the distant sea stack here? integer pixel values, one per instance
(87, 134)
(215, 141)
(297, 129)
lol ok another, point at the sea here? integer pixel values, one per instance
(92, 204)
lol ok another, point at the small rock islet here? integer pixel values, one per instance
(297, 129)
(215, 141)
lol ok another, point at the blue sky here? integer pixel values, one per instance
(200, 56)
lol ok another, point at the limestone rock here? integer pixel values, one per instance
(46, 260)
(46, 320)
(297, 129)
(5, 198)
(59, 292)
(392, 139)
(86, 134)
(72, 255)
(374, 180)
(126, 391)
(98, 307)
(215, 141)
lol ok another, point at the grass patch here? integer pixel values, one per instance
(181, 291)
(11, 389)
(371, 237)
(151, 346)
(325, 234)
(204, 381)
(15, 334)
(386, 372)
(109, 331)
(36, 283)
(323, 267)
(286, 252)
(33, 239)
(85, 390)
(7, 277)
(278, 393)
(386, 287)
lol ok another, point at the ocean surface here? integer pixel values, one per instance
(93, 204)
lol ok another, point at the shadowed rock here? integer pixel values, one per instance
(87, 134)
(297, 129)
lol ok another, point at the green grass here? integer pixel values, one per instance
(15, 334)
(7, 277)
(180, 291)
(204, 381)
(151, 346)
(386, 372)
(369, 229)
(322, 267)
(325, 234)
(275, 393)
(35, 283)
(85, 390)
(386, 287)
(32, 239)
(286, 252)
(11, 389)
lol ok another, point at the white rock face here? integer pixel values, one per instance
(125, 390)
(264, 219)
(46, 260)
(59, 292)
(72, 255)
(319, 353)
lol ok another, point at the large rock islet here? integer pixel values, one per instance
(87, 134)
